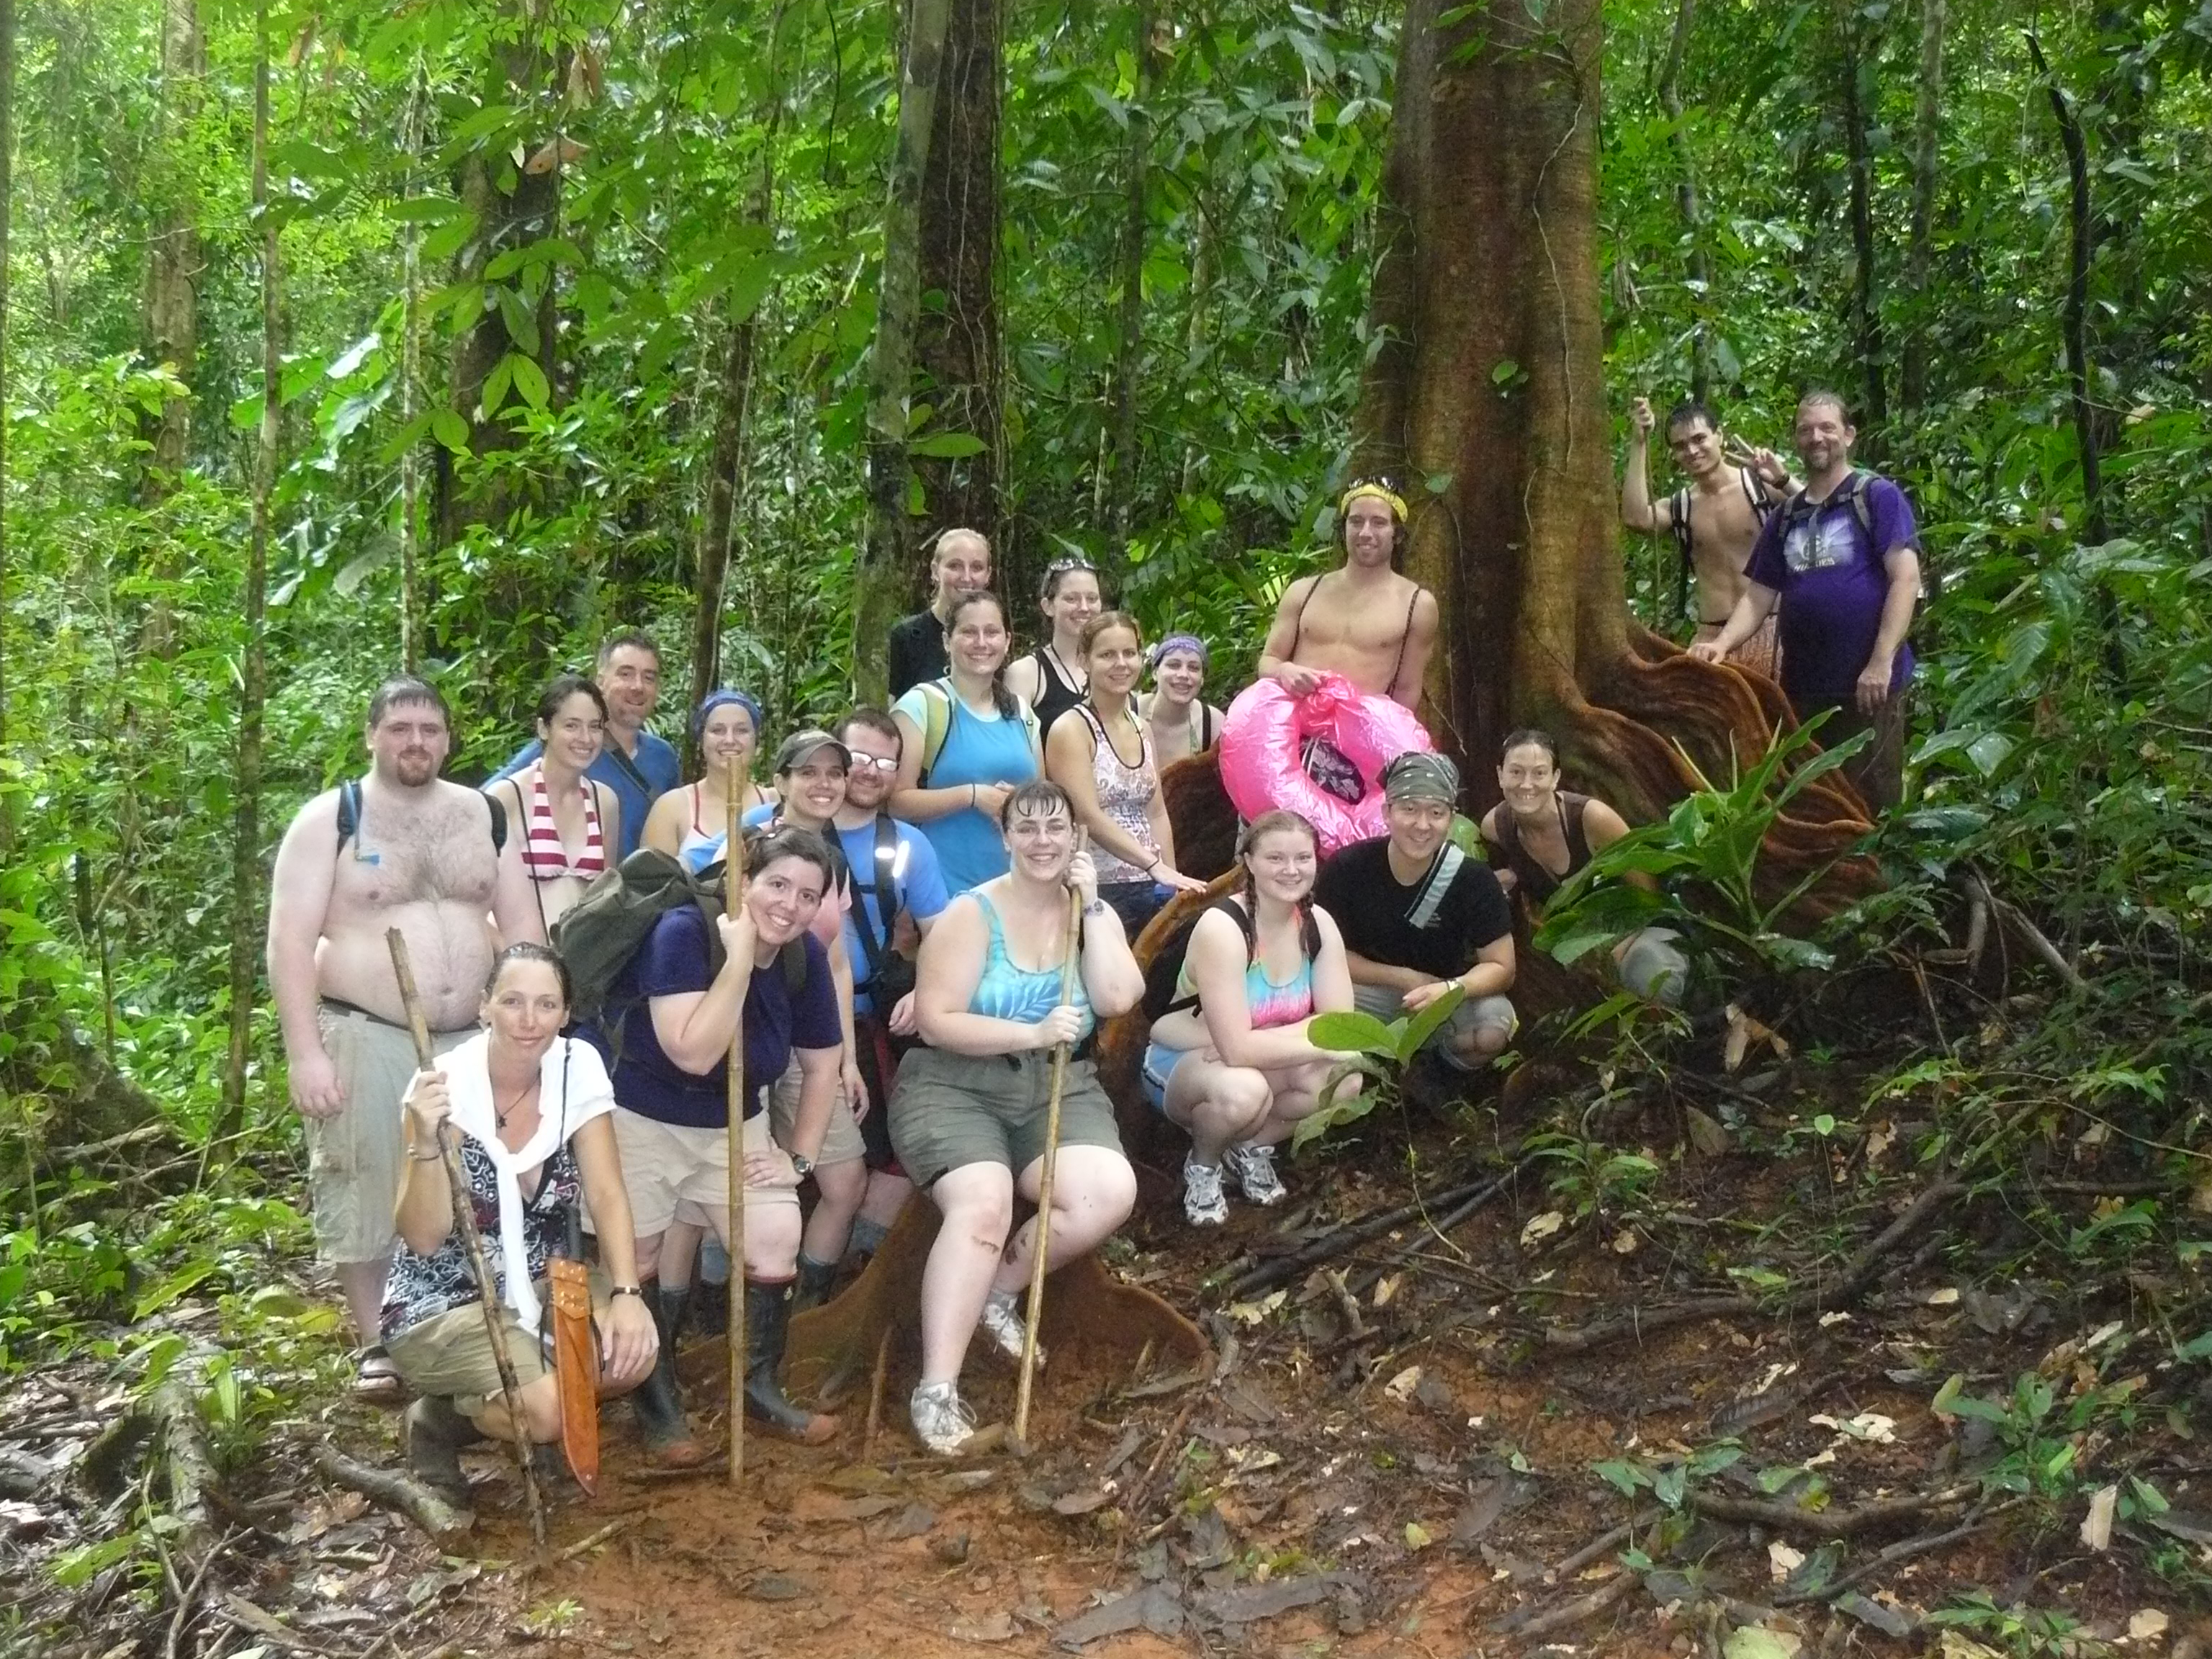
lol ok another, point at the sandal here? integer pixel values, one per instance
(376, 1379)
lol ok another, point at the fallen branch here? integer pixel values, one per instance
(1827, 1523)
(1858, 1273)
(2014, 921)
(1566, 1617)
(400, 1493)
(1470, 1196)
(1604, 1542)
(1904, 1549)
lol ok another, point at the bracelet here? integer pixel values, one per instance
(971, 798)
(637, 1290)
(432, 1157)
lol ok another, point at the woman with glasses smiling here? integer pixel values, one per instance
(1052, 678)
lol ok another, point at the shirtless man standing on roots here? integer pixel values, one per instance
(1364, 620)
(399, 848)
(1715, 520)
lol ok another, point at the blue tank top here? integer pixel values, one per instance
(1007, 991)
(977, 749)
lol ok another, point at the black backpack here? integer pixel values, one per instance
(1166, 967)
(1679, 512)
(349, 817)
(597, 936)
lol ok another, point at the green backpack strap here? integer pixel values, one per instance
(936, 724)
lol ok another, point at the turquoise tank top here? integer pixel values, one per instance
(1007, 991)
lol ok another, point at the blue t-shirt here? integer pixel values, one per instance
(995, 751)
(638, 779)
(1829, 573)
(917, 883)
(672, 961)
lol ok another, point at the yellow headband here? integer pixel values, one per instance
(1397, 504)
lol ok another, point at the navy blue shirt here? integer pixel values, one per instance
(637, 780)
(672, 961)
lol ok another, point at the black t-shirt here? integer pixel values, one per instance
(917, 652)
(1373, 910)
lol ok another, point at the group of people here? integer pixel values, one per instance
(918, 883)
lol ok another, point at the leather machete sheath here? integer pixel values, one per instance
(575, 1367)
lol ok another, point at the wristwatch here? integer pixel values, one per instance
(803, 1164)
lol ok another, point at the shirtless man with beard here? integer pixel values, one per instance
(399, 848)
(1362, 620)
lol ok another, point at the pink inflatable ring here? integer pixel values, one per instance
(1265, 729)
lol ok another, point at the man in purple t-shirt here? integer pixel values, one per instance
(1842, 559)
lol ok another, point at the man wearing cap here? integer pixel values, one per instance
(1418, 915)
(962, 564)
(639, 767)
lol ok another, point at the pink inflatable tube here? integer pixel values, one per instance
(1266, 727)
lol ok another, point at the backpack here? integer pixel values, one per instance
(1851, 493)
(349, 817)
(598, 935)
(936, 724)
(1679, 512)
(1166, 966)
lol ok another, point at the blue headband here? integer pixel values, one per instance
(723, 699)
(1189, 642)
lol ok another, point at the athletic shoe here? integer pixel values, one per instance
(1007, 1330)
(942, 1421)
(1203, 1204)
(1254, 1169)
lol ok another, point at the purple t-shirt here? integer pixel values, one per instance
(1829, 573)
(673, 960)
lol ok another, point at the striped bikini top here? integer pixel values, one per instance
(543, 854)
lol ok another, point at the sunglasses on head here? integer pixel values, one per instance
(1376, 481)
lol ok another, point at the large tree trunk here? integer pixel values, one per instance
(1696, 268)
(246, 870)
(1920, 234)
(957, 345)
(887, 560)
(725, 468)
(1490, 377)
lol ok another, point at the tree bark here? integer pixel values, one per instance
(245, 882)
(1926, 153)
(1698, 268)
(1866, 308)
(173, 267)
(886, 561)
(410, 375)
(2080, 250)
(1129, 333)
(957, 346)
(1491, 190)
(725, 467)
(512, 206)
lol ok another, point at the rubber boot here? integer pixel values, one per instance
(768, 1322)
(659, 1408)
(709, 1310)
(436, 1431)
(815, 1279)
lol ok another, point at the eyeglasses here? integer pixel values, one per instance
(878, 763)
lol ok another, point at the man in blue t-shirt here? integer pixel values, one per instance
(1842, 559)
(636, 765)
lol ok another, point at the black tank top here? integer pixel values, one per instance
(1056, 694)
(1534, 879)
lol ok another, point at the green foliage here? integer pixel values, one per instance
(1375, 1050)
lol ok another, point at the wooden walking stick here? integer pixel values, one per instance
(465, 1223)
(734, 893)
(1059, 1056)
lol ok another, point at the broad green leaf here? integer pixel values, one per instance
(1351, 1032)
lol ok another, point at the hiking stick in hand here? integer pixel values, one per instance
(734, 893)
(465, 1223)
(1043, 1240)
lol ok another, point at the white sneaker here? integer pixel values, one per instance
(942, 1421)
(1254, 1169)
(1003, 1320)
(1203, 1202)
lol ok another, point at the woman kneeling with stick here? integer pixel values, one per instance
(967, 1118)
(1229, 1059)
(531, 1107)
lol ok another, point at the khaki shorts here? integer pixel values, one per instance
(353, 1159)
(950, 1110)
(665, 1165)
(840, 1142)
(1473, 1014)
(450, 1353)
